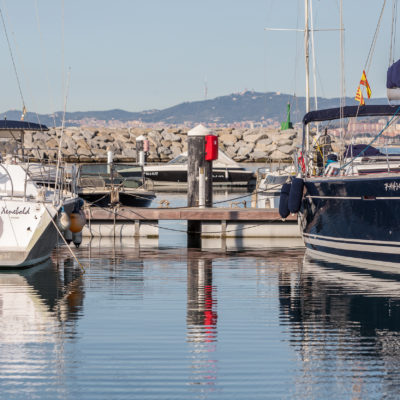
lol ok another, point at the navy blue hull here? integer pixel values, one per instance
(355, 218)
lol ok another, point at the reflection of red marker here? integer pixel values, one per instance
(210, 316)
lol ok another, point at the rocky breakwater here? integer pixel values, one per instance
(83, 144)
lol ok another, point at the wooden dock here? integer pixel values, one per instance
(186, 214)
(215, 222)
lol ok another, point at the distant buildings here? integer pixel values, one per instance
(359, 129)
(117, 124)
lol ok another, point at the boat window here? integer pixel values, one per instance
(128, 170)
(179, 160)
(277, 179)
(99, 174)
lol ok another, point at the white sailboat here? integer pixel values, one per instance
(28, 212)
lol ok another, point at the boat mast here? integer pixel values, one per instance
(307, 67)
(306, 31)
(342, 80)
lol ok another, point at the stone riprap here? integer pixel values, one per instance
(84, 144)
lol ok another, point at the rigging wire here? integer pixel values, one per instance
(18, 55)
(25, 76)
(59, 154)
(296, 57)
(367, 66)
(393, 32)
(391, 121)
(63, 45)
(13, 61)
(45, 61)
(368, 61)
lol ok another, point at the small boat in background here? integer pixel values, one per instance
(269, 185)
(105, 184)
(226, 172)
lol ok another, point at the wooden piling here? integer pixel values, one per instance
(209, 183)
(196, 161)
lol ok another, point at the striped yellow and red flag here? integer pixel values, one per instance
(359, 97)
(365, 83)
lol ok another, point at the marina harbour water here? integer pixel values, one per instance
(160, 321)
(188, 324)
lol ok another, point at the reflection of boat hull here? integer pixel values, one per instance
(353, 217)
(172, 175)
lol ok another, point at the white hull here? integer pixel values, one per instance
(27, 219)
(27, 232)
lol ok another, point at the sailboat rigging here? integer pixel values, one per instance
(31, 215)
(349, 205)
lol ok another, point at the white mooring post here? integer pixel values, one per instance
(140, 150)
(110, 157)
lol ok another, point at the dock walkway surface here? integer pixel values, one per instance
(186, 214)
(213, 222)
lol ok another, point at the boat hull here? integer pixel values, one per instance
(221, 177)
(27, 231)
(354, 218)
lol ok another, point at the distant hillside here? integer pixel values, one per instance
(237, 107)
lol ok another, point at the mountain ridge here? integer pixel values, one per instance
(242, 107)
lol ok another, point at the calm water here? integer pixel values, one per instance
(158, 321)
(185, 324)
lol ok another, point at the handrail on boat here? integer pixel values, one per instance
(12, 184)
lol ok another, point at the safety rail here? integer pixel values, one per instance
(110, 175)
(11, 181)
(43, 175)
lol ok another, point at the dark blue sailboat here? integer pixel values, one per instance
(352, 209)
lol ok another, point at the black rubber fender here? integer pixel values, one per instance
(295, 195)
(284, 200)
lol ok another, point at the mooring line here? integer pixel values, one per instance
(177, 230)
(63, 238)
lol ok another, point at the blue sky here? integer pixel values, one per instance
(139, 55)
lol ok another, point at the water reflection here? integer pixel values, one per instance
(50, 292)
(114, 265)
(38, 309)
(343, 320)
(201, 319)
(144, 323)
